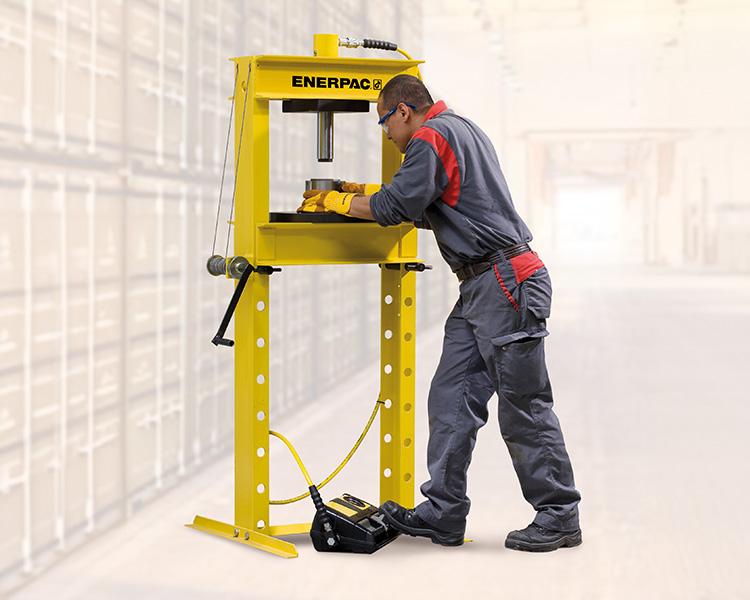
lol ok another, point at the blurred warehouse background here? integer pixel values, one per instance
(113, 121)
(622, 127)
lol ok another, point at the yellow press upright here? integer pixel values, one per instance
(321, 83)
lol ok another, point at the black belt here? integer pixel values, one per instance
(486, 262)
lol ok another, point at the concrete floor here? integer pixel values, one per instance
(650, 372)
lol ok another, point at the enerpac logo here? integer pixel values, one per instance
(340, 83)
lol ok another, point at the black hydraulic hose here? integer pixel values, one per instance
(379, 45)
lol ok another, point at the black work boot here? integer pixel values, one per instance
(536, 538)
(407, 521)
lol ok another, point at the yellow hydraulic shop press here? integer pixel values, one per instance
(263, 242)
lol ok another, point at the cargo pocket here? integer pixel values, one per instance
(519, 362)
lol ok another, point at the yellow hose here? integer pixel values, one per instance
(336, 471)
(408, 57)
(296, 457)
(405, 53)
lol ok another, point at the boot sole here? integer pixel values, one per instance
(435, 537)
(568, 541)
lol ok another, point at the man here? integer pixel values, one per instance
(450, 181)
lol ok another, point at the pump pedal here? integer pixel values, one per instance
(361, 527)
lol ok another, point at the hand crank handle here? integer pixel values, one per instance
(219, 339)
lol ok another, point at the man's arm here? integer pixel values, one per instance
(360, 207)
(419, 181)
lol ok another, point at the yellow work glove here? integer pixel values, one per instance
(326, 201)
(359, 188)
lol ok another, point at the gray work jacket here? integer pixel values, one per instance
(450, 181)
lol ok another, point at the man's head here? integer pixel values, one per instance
(402, 106)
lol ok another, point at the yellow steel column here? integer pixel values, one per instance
(251, 324)
(397, 361)
(251, 470)
(251, 317)
(397, 364)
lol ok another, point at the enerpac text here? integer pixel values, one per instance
(350, 83)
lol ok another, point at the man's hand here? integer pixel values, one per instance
(340, 202)
(326, 201)
(359, 188)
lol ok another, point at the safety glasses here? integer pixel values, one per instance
(386, 116)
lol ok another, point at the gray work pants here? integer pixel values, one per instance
(494, 342)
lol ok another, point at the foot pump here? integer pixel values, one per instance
(345, 524)
(348, 524)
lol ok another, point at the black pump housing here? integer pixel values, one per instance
(359, 526)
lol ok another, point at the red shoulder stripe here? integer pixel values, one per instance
(448, 158)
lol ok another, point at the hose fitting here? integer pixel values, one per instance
(332, 539)
(350, 42)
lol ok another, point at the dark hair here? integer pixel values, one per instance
(406, 88)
